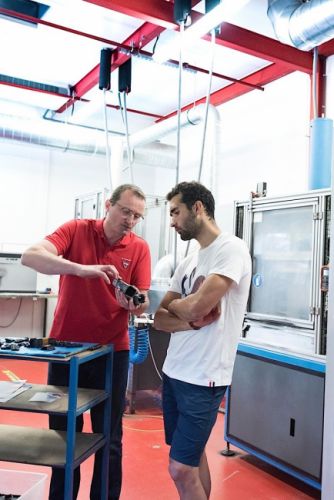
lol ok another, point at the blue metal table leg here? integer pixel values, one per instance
(71, 428)
(106, 427)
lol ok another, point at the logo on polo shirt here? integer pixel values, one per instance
(126, 263)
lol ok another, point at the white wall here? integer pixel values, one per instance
(265, 138)
(37, 190)
(23, 194)
(72, 175)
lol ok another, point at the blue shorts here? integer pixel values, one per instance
(190, 412)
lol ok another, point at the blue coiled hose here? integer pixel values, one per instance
(138, 344)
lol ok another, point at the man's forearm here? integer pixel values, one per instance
(45, 262)
(186, 309)
(168, 322)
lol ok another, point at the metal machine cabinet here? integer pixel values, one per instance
(275, 410)
(288, 239)
(53, 448)
(276, 400)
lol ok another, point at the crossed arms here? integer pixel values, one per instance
(194, 311)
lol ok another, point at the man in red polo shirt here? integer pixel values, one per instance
(88, 254)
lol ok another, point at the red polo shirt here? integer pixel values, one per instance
(87, 310)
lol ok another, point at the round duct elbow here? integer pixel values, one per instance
(304, 25)
(193, 116)
(279, 13)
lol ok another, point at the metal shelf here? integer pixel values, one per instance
(85, 399)
(29, 445)
(63, 449)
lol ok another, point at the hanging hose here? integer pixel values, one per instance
(139, 344)
(207, 102)
(107, 139)
(178, 137)
(179, 104)
(124, 114)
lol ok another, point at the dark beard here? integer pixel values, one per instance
(190, 230)
(185, 236)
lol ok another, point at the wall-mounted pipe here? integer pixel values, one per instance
(304, 25)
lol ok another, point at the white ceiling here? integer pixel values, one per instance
(56, 57)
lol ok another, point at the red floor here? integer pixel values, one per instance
(241, 477)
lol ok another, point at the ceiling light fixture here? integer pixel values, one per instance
(225, 9)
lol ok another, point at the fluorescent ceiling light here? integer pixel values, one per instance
(225, 9)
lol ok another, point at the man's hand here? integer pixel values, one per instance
(206, 320)
(106, 272)
(125, 302)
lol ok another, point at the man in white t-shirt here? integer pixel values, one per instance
(204, 311)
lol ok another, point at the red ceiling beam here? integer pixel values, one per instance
(231, 37)
(85, 84)
(261, 77)
(263, 47)
(160, 12)
(139, 38)
(326, 49)
(205, 71)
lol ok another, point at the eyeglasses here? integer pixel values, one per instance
(127, 212)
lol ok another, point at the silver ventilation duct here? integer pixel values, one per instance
(65, 137)
(69, 137)
(191, 117)
(303, 24)
(155, 154)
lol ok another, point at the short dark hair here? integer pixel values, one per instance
(191, 192)
(116, 194)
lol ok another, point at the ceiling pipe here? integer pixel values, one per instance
(304, 25)
(193, 116)
(55, 135)
(69, 137)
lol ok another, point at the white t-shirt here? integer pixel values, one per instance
(206, 356)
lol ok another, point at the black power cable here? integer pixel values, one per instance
(15, 317)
